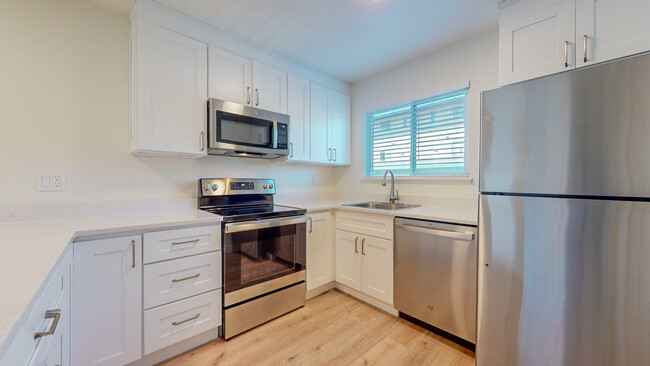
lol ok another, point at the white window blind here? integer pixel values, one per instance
(425, 137)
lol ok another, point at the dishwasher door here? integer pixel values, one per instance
(436, 275)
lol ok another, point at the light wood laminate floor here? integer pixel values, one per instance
(331, 329)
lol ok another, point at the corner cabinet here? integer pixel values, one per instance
(43, 337)
(107, 302)
(543, 37)
(169, 91)
(330, 126)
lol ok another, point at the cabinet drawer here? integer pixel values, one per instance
(170, 244)
(56, 295)
(380, 226)
(172, 323)
(177, 279)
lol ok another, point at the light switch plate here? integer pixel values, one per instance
(51, 182)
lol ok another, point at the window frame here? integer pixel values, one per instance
(412, 173)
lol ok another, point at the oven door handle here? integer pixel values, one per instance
(263, 224)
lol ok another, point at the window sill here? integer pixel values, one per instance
(457, 179)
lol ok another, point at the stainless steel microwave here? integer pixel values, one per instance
(239, 130)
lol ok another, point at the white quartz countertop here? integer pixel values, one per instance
(460, 215)
(30, 250)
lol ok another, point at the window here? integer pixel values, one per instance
(427, 137)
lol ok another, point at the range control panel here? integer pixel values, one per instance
(234, 186)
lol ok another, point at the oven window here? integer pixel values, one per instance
(255, 256)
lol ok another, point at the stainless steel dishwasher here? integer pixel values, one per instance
(436, 275)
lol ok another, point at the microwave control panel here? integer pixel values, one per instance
(283, 136)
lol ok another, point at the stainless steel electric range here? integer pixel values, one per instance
(263, 251)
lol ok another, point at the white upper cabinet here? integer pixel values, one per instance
(339, 128)
(230, 76)
(169, 90)
(238, 79)
(330, 126)
(298, 101)
(319, 139)
(270, 88)
(609, 29)
(536, 38)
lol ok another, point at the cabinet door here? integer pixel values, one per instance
(298, 107)
(347, 259)
(270, 86)
(377, 268)
(339, 127)
(532, 36)
(319, 141)
(609, 29)
(319, 250)
(107, 301)
(230, 77)
(171, 90)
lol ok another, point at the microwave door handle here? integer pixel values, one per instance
(274, 131)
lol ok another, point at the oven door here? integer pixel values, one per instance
(262, 256)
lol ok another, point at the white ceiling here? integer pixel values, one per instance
(349, 39)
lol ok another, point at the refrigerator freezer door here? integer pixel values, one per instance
(566, 282)
(584, 132)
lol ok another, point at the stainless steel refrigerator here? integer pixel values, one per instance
(565, 219)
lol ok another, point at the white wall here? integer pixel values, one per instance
(64, 107)
(475, 60)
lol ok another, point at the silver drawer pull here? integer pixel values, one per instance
(187, 320)
(49, 314)
(186, 278)
(187, 242)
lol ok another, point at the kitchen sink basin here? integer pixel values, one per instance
(381, 205)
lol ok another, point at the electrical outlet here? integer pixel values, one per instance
(51, 182)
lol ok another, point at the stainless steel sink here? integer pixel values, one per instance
(381, 205)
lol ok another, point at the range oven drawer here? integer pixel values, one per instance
(245, 316)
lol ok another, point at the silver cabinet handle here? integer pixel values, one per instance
(335, 154)
(566, 53)
(133, 248)
(584, 46)
(291, 149)
(329, 154)
(202, 141)
(236, 227)
(257, 93)
(186, 278)
(248, 95)
(363, 246)
(186, 242)
(356, 249)
(311, 223)
(187, 320)
(50, 314)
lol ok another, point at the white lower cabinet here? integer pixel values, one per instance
(107, 302)
(172, 323)
(365, 263)
(320, 250)
(50, 317)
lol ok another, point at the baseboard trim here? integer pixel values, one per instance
(367, 299)
(176, 349)
(319, 290)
